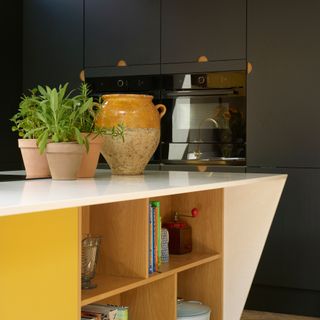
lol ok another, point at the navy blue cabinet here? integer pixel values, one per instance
(214, 29)
(283, 99)
(122, 30)
(282, 136)
(52, 42)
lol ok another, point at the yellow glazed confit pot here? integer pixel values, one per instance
(141, 119)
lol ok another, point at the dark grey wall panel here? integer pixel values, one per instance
(216, 29)
(283, 104)
(53, 42)
(291, 257)
(122, 29)
(11, 80)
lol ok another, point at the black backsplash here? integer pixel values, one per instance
(11, 80)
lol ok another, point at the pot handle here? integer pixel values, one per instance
(162, 109)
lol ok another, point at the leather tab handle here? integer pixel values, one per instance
(121, 63)
(82, 76)
(203, 59)
(249, 67)
(161, 108)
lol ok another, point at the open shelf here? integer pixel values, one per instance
(108, 286)
(123, 277)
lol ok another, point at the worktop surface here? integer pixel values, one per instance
(18, 197)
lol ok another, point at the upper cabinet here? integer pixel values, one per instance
(208, 28)
(52, 42)
(283, 94)
(121, 33)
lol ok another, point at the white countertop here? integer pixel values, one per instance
(17, 197)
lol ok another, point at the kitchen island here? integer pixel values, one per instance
(42, 223)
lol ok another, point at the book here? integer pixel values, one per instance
(157, 233)
(105, 312)
(91, 315)
(151, 267)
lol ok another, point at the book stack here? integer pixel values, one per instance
(154, 236)
(97, 311)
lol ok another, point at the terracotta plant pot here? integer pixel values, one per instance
(142, 131)
(36, 164)
(64, 159)
(90, 159)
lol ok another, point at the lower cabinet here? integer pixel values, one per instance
(122, 269)
(291, 258)
(39, 265)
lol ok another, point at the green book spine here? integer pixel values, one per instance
(156, 204)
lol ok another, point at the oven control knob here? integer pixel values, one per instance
(120, 83)
(201, 80)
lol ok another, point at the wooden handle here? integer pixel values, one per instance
(162, 109)
(249, 68)
(121, 63)
(82, 76)
(203, 59)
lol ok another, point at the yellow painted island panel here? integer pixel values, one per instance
(39, 270)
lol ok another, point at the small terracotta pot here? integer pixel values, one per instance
(36, 164)
(64, 159)
(90, 159)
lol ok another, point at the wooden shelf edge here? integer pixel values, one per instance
(135, 283)
(189, 265)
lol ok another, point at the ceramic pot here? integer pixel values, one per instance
(36, 164)
(141, 119)
(90, 159)
(64, 159)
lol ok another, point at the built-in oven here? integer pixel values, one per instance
(205, 121)
(145, 84)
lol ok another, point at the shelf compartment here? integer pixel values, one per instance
(124, 230)
(203, 283)
(156, 301)
(108, 286)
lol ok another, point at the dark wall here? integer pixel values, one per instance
(11, 80)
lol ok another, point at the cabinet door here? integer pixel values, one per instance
(291, 257)
(122, 30)
(211, 28)
(52, 42)
(283, 95)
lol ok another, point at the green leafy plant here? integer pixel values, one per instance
(54, 115)
(26, 121)
(87, 119)
(59, 115)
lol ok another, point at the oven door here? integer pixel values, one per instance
(203, 126)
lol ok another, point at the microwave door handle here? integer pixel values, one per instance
(189, 93)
